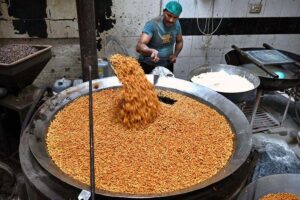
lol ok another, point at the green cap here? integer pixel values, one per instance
(174, 7)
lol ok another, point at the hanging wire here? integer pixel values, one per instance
(213, 31)
(160, 7)
(209, 22)
(209, 29)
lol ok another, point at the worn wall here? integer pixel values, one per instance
(50, 22)
(119, 24)
(200, 49)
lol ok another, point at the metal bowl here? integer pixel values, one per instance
(242, 145)
(279, 183)
(235, 97)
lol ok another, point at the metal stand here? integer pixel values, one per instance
(260, 94)
(260, 119)
(257, 102)
(20, 103)
(263, 59)
(286, 110)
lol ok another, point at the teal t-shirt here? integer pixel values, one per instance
(162, 38)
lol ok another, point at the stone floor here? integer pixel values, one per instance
(286, 134)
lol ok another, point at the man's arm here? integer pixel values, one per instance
(143, 49)
(178, 47)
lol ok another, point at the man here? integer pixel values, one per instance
(156, 43)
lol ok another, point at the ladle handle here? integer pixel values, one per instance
(268, 46)
(261, 66)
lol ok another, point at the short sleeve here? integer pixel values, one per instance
(178, 28)
(149, 28)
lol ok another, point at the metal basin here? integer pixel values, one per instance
(235, 97)
(240, 126)
(279, 183)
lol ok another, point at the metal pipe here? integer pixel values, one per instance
(92, 158)
(87, 37)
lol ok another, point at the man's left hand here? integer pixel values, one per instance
(173, 58)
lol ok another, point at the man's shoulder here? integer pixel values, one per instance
(153, 23)
(178, 26)
(178, 23)
(156, 19)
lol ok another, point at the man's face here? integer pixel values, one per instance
(169, 18)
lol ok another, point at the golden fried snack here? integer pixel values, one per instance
(139, 103)
(188, 143)
(280, 196)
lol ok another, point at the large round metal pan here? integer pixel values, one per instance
(235, 97)
(279, 183)
(241, 128)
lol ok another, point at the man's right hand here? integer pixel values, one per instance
(143, 49)
(154, 55)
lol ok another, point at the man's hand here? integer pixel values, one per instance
(154, 55)
(143, 49)
(173, 58)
